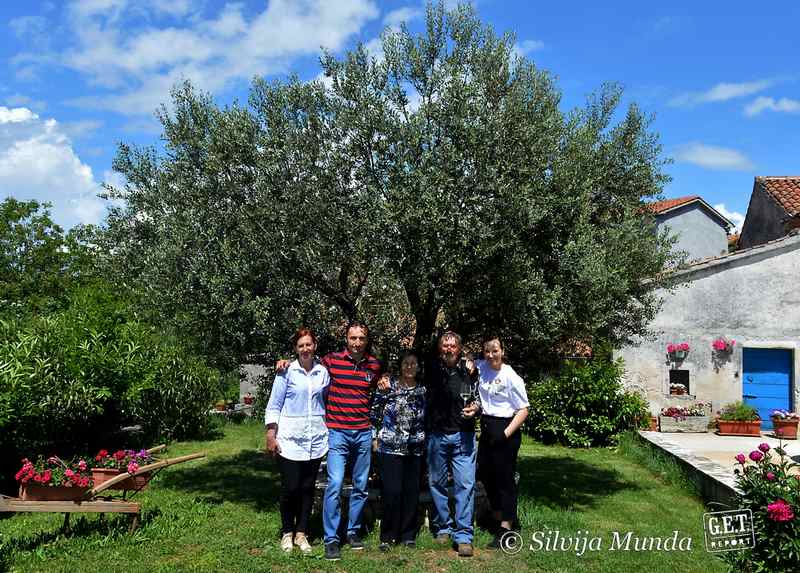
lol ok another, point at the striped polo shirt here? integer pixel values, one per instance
(347, 407)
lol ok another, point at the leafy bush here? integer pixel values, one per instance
(772, 492)
(70, 380)
(585, 405)
(739, 412)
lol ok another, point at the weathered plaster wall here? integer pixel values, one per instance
(698, 234)
(763, 222)
(752, 297)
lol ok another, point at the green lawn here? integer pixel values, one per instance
(220, 514)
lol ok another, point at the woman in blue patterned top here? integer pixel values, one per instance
(398, 419)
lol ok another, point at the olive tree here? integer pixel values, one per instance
(437, 184)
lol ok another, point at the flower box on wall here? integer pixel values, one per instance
(786, 429)
(735, 428)
(689, 424)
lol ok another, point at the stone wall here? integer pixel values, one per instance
(764, 220)
(752, 297)
(700, 235)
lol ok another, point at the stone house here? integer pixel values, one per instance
(774, 210)
(749, 296)
(702, 231)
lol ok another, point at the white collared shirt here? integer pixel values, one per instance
(297, 406)
(502, 392)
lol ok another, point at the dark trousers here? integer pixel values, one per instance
(297, 493)
(497, 464)
(400, 493)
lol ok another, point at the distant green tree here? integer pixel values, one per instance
(439, 185)
(39, 263)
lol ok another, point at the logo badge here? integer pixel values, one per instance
(729, 530)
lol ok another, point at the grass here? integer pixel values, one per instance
(220, 514)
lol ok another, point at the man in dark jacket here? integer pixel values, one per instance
(451, 409)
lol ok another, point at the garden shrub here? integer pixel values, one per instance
(584, 405)
(71, 379)
(772, 492)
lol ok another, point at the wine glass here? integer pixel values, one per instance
(466, 392)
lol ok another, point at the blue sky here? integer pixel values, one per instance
(79, 77)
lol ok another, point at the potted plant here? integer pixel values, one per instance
(739, 419)
(785, 424)
(694, 418)
(53, 479)
(723, 345)
(678, 351)
(107, 466)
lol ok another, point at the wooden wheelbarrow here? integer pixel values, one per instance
(91, 502)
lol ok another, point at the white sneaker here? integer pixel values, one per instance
(286, 542)
(302, 542)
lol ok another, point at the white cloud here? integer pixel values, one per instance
(762, 103)
(528, 46)
(135, 52)
(721, 92)
(16, 115)
(37, 161)
(81, 127)
(396, 17)
(20, 100)
(733, 216)
(713, 157)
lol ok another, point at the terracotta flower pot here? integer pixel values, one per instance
(653, 424)
(786, 429)
(100, 475)
(38, 492)
(733, 428)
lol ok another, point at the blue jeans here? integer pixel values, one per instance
(457, 450)
(346, 447)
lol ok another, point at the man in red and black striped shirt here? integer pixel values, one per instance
(353, 372)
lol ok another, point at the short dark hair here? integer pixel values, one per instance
(492, 336)
(356, 324)
(404, 355)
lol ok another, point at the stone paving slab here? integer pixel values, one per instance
(709, 458)
(723, 449)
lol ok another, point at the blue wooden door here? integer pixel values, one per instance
(767, 383)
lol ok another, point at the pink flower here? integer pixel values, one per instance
(756, 456)
(82, 465)
(133, 467)
(671, 348)
(684, 346)
(770, 476)
(69, 473)
(741, 459)
(763, 447)
(718, 344)
(779, 510)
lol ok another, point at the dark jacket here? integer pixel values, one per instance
(443, 413)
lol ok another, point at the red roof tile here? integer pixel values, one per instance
(785, 190)
(666, 204)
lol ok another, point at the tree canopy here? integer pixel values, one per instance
(436, 185)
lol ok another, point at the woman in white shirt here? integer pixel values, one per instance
(296, 433)
(505, 406)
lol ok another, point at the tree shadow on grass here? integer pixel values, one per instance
(249, 477)
(567, 483)
(81, 525)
